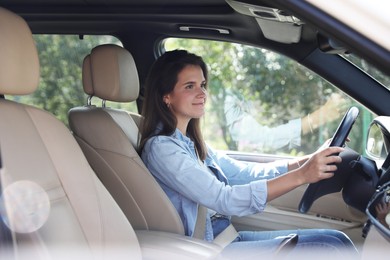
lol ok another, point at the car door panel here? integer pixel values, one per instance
(329, 211)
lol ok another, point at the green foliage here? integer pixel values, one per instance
(60, 87)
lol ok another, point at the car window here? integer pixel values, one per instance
(263, 102)
(60, 87)
(369, 69)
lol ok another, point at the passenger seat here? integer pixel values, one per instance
(109, 139)
(74, 213)
(51, 199)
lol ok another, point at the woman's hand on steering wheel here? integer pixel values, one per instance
(321, 165)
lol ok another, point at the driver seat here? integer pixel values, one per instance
(109, 139)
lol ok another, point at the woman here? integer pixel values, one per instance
(191, 173)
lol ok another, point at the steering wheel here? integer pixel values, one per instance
(334, 184)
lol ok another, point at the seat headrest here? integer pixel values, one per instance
(19, 63)
(87, 76)
(111, 74)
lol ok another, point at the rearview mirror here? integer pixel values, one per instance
(330, 46)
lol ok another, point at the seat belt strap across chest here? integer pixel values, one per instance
(200, 225)
(225, 237)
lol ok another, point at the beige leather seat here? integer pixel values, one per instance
(54, 204)
(40, 156)
(109, 139)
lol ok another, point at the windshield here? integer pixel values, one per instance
(369, 69)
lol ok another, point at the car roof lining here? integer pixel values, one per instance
(94, 16)
(158, 22)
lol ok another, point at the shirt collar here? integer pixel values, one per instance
(176, 134)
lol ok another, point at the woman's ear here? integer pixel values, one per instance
(166, 99)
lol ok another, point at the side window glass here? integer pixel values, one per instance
(262, 102)
(60, 87)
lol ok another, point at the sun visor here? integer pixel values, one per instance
(280, 32)
(276, 25)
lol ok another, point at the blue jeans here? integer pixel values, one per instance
(311, 242)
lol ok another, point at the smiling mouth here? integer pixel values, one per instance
(198, 104)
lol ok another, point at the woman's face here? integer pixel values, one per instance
(188, 98)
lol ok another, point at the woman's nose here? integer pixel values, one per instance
(202, 91)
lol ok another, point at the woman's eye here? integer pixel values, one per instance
(189, 86)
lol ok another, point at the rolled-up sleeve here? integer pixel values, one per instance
(259, 191)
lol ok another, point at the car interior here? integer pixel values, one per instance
(84, 186)
(82, 212)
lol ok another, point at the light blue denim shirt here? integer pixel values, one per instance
(237, 188)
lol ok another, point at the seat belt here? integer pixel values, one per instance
(226, 236)
(200, 225)
(223, 239)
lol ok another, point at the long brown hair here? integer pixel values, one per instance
(161, 81)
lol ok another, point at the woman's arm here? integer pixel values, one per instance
(239, 172)
(319, 166)
(173, 165)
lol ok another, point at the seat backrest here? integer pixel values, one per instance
(37, 150)
(109, 139)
